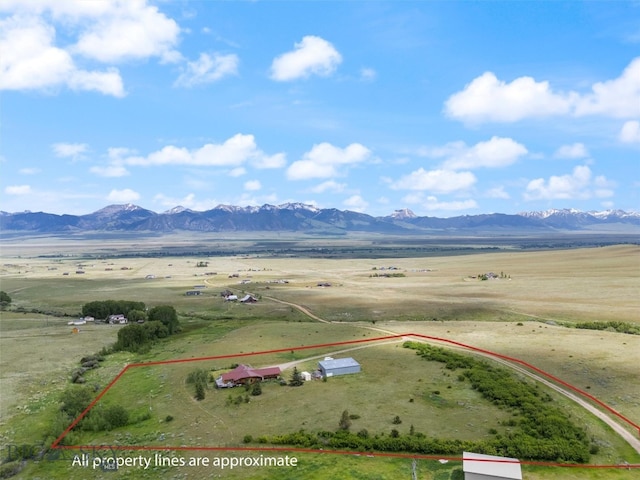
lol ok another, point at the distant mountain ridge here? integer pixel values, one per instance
(300, 217)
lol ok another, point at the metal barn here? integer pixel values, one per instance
(477, 466)
(338, 366)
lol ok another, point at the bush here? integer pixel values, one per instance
(116, 416)
(168, 418)
(74, 401)
(200, 391)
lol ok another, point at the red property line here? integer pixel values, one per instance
(56, 443)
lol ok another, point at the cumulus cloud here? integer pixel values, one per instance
(432, 203)
(630, 132)
(575, 150)
(312, 56)
(325, 160)
(69, 150)
(578, 185)
(252, 185)
(129, 30)
(329, 186)
(494, 153)
(488, 99)
(123, 196)
(497, 192)
(436, 181)
(234, 152)
(356, 203)
(105, 31)
(17, 190)
(207, 69)
(31, 61)
(109, 171)
(618, 98)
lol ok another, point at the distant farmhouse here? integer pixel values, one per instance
(330, 367)
(245, 375)
(248, 299)
(118, 318)
(477, 466)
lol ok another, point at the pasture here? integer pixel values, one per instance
(521, 316)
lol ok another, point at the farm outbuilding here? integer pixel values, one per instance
(477, 466)
(338, 366)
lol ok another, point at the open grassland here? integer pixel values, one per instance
(436, 296)
(391, 377)
(594, 284)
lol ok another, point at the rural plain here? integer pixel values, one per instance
(313, 292)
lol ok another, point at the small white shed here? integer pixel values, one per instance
(306, 376)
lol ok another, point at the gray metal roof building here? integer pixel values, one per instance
(477, 466)
(338, 366)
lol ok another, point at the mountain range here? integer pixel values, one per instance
(298, 217)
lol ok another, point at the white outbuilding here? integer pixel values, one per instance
(477, 466)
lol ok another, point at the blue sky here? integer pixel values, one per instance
(446, 108)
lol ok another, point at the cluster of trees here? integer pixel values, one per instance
(103, 308)
(545, 432)
(5, 299)
(75, 400)
(198, 378)
(616, 326)
(162, 321)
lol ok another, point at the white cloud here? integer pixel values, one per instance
(110, 171)
(18, 190)
(252, 185)
(234, 152)
(208, 69)
(630, 132)
(313, 55)
(497, 192)
(431, 203)
(123, 196)
(129, 30)
(237, 172)
(436, 181)
(578, 185)
(575, 150)
(278, 160)
(69, 150)
(30, 61)
(494, 153)
(329, 186)
(29, 171)
(487, 99)
(368, 74)
(356, 203)
(325, 160)
(618, 98)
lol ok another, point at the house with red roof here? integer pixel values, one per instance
(245, 374)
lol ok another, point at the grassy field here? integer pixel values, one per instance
(436, 296)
